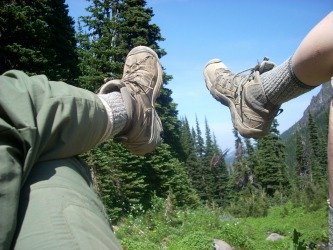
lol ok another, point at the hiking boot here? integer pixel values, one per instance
(251, 112)
(139, 87)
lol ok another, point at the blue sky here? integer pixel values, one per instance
(239, 33)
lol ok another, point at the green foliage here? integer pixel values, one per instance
(167, 111)
(121, 182)
(308, 194)
(200, 144)
(99, 55)
(196, 240)
(196, 229)
(270, 170)
(38, 37)
(317, 125)
(301, 168)
(298, 243)
(317, 153)
(250, 202)
(204, 163)
(167, 174)
(127, 183)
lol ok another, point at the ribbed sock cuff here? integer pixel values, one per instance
(116, 112)
(281, 84)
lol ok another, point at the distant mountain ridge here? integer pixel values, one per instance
(319, 103)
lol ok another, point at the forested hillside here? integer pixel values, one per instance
(314, 121)
(188, 170)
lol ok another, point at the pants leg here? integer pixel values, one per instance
(60, 210)
(40, 120)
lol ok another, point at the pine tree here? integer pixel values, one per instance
(200, 144)
(135, 26)
(301, 168)
(99, 53)
(249, 147)
(317, 153)
(38, 37)
(167, 174)
(242, 166)
(270, 171)
(186, 138)
(106, 35)
(220, 176)
(239, 148)
(209, 148)
(120, 179)
(190, 157)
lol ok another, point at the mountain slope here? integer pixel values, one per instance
(318, 107)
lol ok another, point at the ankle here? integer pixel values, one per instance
(116, 111)
(281, 84)
(257, 99)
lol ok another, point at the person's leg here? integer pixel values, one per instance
(254, 100)
(60, 210)
(313, 59)
(330, 173)
(42, 120)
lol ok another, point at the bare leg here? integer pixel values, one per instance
(313, 59)
(330, 174)
(330, 155)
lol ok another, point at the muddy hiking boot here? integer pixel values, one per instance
(252, 114)
(139, 88)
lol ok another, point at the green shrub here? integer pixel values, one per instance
(198, 240)
(196, 228)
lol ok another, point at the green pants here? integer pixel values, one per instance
(43, 126)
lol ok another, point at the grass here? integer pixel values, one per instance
(196, 229)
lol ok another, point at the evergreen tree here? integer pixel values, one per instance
(209, 148)
(186, 138)
(167, 111)
(135, 27)
(196, 168)
(220, 176)
(190, 157)
(317, 153)
(249, 147)
(99, 53)
(167, 174)
(200, 144)
(270, 171)
(301, 168)
(105, 36)
(38, 37)
(239, 148)
(121, 181)
(241, 167)
(210, 161)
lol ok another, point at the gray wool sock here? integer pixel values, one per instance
(116, 111)
(281, 84)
